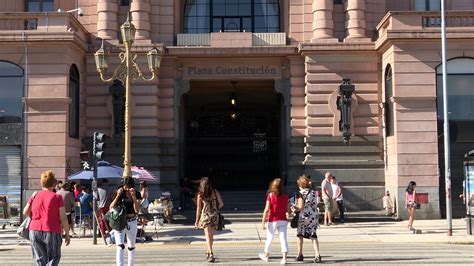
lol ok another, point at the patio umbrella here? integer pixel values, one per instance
(139, 173)
(104, 170)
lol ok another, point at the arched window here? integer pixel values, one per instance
(11, 93)
(74, 105)
(204, 16)
(389, 123)
(460, 90)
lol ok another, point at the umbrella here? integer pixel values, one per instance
(104, 170)
(139, 173)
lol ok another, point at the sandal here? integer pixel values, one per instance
(317, 259)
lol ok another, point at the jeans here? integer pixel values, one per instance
(340, 205)
(131, 232)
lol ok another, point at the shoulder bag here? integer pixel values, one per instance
(24, 229)
(296, 218)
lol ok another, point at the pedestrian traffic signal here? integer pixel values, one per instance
(99, 145)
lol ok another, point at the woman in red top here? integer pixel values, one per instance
(48, 222)
(276, 208)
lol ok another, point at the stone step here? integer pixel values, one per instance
(256, 216)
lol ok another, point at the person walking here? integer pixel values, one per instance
(338, 198)
(103, 204)
(208, 203)
(410, 203)
(48, 222)
(69, 202)
(327, 193)
(308, 222)
(130, 199)
(276, 209)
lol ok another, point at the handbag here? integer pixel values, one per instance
(23, 231)
(220, 223)
(295, 220)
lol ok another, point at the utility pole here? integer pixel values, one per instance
(447, 163)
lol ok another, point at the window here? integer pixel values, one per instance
(427, 5)
(389, 119)
(124, 2)
(460, 97)
(39, 5)
(338, 2)
(204, 16)
(11, 91)
(74, 104)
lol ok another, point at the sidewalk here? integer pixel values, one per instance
(245, 233)
(385, 232)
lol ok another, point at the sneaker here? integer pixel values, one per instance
(317, 259)
(283, 261)
(299, 258)
(263, 257)
(211, 258)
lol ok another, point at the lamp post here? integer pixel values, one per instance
(127, 70)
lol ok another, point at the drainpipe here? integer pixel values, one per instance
(24, 160)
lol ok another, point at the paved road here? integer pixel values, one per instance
(245, 254)
(351, 243)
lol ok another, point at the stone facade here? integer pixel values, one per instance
(322, 43)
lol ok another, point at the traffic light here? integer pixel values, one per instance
(99, 146)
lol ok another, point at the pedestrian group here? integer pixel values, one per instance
(52, 211)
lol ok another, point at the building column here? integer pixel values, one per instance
(355, 20)
(107, 26)
(140, 10)
(323, 24)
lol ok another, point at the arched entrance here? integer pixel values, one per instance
(232, 133)
(461, 125)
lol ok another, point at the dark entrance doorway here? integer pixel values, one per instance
(461, 125)
(232, 133)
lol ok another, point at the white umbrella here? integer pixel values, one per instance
(141, 174)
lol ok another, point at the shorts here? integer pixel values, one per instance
(328, 204)
(69, 218)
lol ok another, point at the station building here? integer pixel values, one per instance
(247, 91)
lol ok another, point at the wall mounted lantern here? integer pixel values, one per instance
(344, 101)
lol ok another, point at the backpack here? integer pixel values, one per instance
(117, 217)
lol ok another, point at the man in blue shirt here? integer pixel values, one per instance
(85, 199)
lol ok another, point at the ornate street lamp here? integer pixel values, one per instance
(127, 70)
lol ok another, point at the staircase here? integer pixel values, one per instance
(358, 165)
